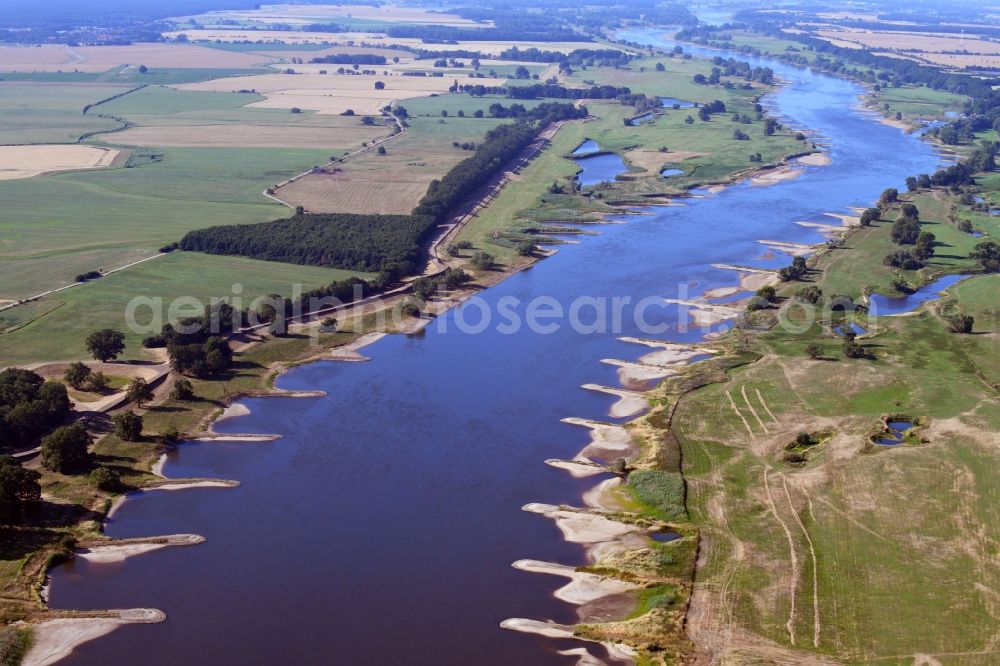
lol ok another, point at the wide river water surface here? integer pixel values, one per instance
(381, 528)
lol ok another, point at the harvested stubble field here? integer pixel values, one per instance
(167, 117)
(393, 182)
(27, 161)
(57, 58)
(331, 93)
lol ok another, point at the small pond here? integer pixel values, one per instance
(896, 434)
(881, 306)
(644, 119)
(588, 147)
(667, 173)
(671, 102)
(664, 537)
(858, 330)
(599, 167)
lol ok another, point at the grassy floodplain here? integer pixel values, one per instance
(706, 152)
(847, 519)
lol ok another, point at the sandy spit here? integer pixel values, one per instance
(578, 469)
(350, 352)
(600, 496)
(606, 440)
(582, 588)
(629, 403)
(629, 371)
(553, 630)
(581, 526)
(225, 437)
(815, 159)
(118, 552)
(55, 639)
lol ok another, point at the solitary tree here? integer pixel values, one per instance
(182, 390)
(814, 350)
(77, 375)
(128, 426)
(139, 392)
(65, 450)
(106, 344)
(379, 85)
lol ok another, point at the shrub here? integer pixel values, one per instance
(809, 294)
(814, 350)
(77, 375)
(182, 390)
(89, 275)
(128, 426)
(662, 491)
(483, 261)
(960, 323)
(105, 479)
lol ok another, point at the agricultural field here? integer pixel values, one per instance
(49, 112)
(286, 14)
(196, 159)
(364, 39)
(392, 182)
(56, 58)
(27, 161)
(331, 93)
(58, 333)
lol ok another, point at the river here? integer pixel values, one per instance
(382, 526)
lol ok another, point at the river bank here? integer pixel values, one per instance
(429, 376)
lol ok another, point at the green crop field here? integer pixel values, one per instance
(50, 113)
(59, 334)
(59, 226)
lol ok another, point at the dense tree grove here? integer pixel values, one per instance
(20, 492)
(213, 357)
(66, 450)
(502, 144)
(555, 91)
(339, 240)
(29, 406)
(351, 59)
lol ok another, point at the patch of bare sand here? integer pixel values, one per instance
(653, 160)
(27, 161)
(583, 587)
(578, 469)
(630, 372)
(629, 403)
(118, 552)
(606, 439)
(776, 175)
(351, 351)
(54, 640)
(815, 159)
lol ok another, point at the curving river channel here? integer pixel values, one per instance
(381, 528)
